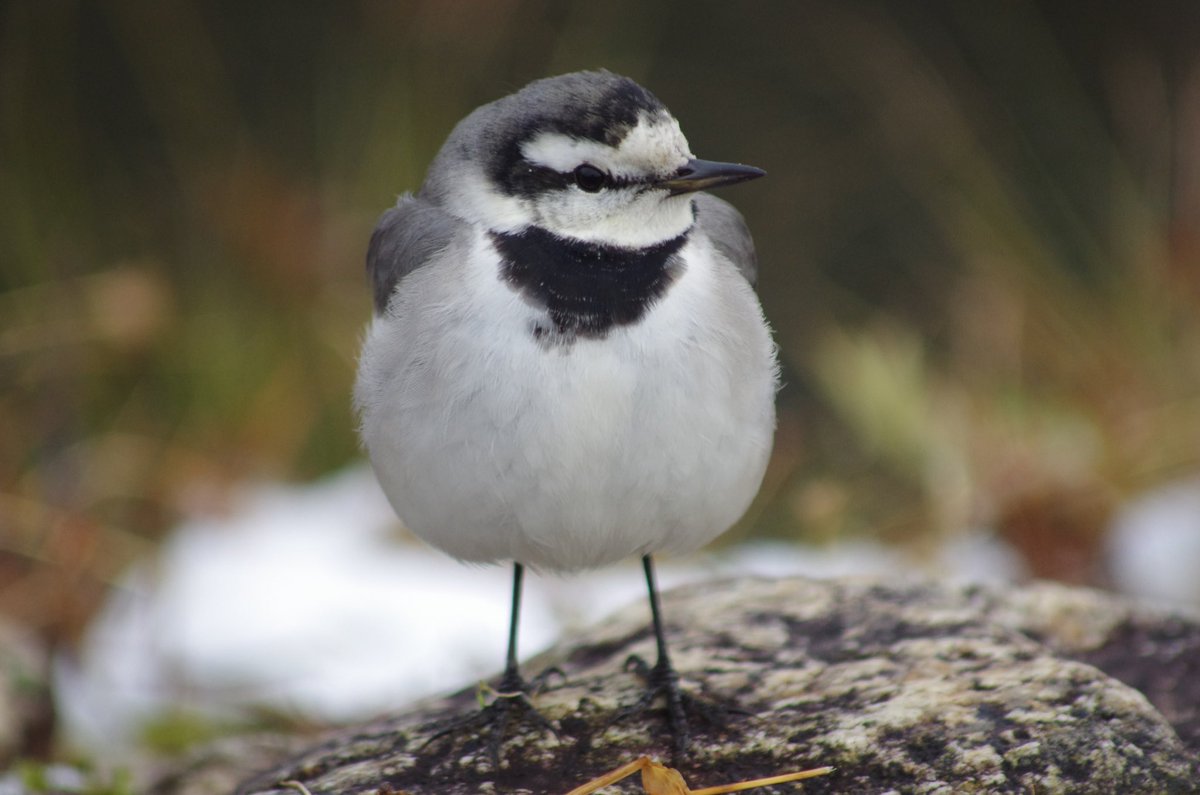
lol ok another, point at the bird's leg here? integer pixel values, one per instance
(512, 684)
(511, 696)
(663, 680)
(511, 681)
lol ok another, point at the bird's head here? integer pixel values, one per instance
(590, 155)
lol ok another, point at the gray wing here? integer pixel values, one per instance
(727, 229)
(406, 237)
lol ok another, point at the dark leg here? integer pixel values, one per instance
(512, 695)
(512, 685)
(656, 613)
(511, 680)
(663, 680)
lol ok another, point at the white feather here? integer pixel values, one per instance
(493, 446)
(653, 146)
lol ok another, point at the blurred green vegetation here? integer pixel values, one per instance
(37, 779)
(978, 245)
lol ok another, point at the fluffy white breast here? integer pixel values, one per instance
(493, 446)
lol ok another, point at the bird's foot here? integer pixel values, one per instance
(663, 680)
(487, 727)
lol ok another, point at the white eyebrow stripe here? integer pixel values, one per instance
(563, 153)
(652, 146)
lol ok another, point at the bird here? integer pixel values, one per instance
(567, 363)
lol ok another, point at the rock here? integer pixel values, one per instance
(1153, 650)
(913, 688)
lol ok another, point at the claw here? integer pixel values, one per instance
(663, 680)
(493, 719)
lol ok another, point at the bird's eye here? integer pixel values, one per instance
(589, 178)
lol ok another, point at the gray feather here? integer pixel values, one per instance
(406, 237)
(727, 229)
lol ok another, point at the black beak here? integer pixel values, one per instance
(705, 174)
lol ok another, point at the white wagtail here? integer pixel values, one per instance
(568, 364)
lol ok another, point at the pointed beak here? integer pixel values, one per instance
(705, 174)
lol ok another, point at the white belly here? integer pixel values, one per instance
(493, 446)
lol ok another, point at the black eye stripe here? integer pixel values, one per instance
(529, 180)
(614, 183)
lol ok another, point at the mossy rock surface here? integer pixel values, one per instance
(903, 687)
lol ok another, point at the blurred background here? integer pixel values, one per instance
(978, 241)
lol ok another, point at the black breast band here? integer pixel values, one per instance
(587, 288)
